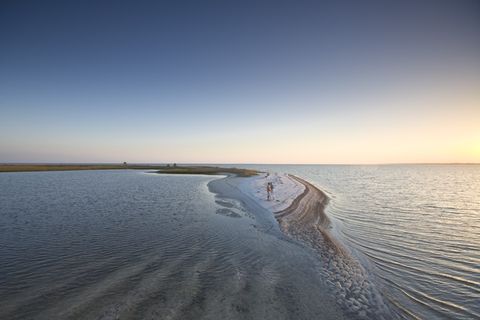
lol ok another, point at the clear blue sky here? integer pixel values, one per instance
(240, 81)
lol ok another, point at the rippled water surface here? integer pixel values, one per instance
(127, 244)
(131, 245)
(415, 227)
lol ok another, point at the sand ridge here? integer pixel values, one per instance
(307, 209)
(305, 220)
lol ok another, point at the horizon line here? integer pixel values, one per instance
(242, 163)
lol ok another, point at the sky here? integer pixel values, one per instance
(240, 81)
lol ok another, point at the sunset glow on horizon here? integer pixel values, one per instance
(299, 82)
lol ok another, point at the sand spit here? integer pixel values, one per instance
(305, 220)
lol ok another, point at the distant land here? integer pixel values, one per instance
(170, 169)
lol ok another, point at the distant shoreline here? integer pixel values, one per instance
(162, 169)
(207, 170)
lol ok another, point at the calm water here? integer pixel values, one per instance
(130, 245)
(415, 227)
(103, 244)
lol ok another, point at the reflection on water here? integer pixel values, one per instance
(125, 244)
(104, 244)
(417, 228)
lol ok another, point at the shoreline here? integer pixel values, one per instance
(310, 205)
(302, 218)
(305, 220)
(263, 222)
(174, 169)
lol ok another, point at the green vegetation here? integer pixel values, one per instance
(176, 169)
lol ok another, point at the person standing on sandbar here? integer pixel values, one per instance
(269, 191)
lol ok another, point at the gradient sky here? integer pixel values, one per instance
(240, 81)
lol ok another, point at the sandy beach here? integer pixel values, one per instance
(306, 211)
(299, 208)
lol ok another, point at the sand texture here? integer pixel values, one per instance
(305, 220)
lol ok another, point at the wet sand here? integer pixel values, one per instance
(304, 278)
(306, 211)
(305, 220)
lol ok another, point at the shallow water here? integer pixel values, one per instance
(416, 228)
(130, 245)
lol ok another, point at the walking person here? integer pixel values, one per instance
(272, 195)
(269, 191)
